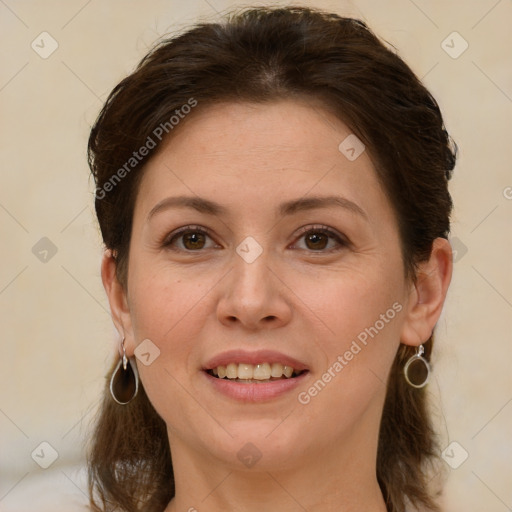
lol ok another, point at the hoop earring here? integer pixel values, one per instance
(124, 383)
(417, 369)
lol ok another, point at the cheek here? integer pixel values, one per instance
(172, 308)
(161, 310)
(161, 299)
(347, 304)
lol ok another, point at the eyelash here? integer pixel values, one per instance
(343, 243)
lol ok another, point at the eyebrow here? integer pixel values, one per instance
(284, 209)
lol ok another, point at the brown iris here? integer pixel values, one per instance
(318, 241)
(196, 240)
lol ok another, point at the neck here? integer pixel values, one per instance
(341, 478)
(275, 491)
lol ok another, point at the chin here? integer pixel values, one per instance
(263, 445)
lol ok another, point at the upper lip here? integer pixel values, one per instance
(258, 356)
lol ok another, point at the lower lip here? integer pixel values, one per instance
(257, 392)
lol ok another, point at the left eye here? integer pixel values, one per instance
(317, 239)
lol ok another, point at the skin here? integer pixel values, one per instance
(302, 298)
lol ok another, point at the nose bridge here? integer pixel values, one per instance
(250, 277)
(253, 295)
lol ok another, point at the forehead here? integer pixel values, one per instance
(286, 130)
(257, 147)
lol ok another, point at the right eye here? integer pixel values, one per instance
(188, 239)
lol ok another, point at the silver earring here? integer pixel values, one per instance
(417, 369)
(124, 383)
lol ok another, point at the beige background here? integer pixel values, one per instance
(56, 333)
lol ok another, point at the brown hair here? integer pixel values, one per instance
(262, 55)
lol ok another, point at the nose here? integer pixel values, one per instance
(254, 296)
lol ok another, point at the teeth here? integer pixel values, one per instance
(276, 370)
(287, 370)
(232, 371)
(262, 371)
(247, 372)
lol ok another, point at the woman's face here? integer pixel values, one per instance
(289, 255)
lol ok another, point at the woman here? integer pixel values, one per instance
(272, 195)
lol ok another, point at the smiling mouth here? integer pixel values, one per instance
(254, 373)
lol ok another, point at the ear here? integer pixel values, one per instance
(427, 294)
(117, 299)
